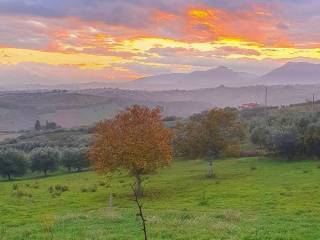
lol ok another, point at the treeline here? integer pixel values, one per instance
(281, 132)
(210, 135)
(288, 134)
(17, 163)
(48, 126)
(57, 138)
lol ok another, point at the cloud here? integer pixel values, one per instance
(85, 61)
(227, 51)
(142, 37)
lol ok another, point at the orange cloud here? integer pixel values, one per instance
(257, 25)
(194, 31)
(160, 16)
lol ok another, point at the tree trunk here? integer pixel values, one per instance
(210, 168)
(9, 177)
(138, 189)
(45, 172)
(110, 200)
(69, 169)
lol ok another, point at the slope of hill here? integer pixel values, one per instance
(251, 198)
(20, 110)
(293, 73)
(221, 96)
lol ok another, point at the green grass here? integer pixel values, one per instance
(250, 198)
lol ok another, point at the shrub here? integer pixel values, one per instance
(286, 144)
(20, 193)
(89, 189)
(61, 188)
(15, 186)
(57, 190)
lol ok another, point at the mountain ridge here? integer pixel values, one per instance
(293, 73)
(290, 73)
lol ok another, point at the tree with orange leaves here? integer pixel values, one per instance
(135, 140)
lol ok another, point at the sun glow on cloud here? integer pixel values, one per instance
(162, 40)
(86, 61)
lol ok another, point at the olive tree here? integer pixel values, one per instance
(13, 163)
(44, 159)
(74, 158)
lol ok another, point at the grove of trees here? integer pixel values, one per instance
(137, 140)
(16, 163)
(286, 134)
(47, 126)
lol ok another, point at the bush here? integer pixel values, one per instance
(89, 189)
(57, 190)
(61, 188)
(20, 193)
(312, 140)
(286, 145)
(15, 186)
(102, 184)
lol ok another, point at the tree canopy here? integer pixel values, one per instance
(44, 159)
(74, 158)
(135, 140)
(210, 135)
(12, 163)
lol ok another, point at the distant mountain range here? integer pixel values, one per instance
(289, 74)
(194, 80)
(293, 73)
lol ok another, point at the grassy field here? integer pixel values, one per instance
(251, 198)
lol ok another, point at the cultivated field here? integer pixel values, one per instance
(250, 198)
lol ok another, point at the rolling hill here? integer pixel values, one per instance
(195, 92)
(20, 110)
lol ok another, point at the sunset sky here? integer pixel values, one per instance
(63, 41)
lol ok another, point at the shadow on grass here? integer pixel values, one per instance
(39, 177)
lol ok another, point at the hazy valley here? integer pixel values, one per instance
(70, 108)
